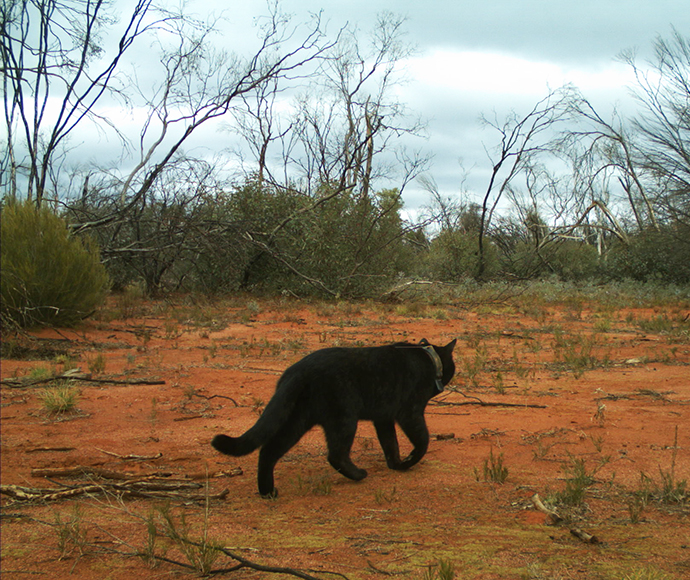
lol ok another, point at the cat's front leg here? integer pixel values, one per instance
(385, 430)
(415, 429)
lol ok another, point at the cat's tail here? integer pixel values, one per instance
(274, 416)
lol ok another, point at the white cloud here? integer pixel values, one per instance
(502, 74)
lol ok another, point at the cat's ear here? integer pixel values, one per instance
(451, 345)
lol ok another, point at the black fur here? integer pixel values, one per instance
(337, 387)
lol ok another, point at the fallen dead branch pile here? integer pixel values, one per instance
(147, 489)
(185, 491)
(121, 484)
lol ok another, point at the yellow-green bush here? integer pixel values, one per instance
(48, 277)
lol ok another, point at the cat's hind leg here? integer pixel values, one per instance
(286, 438)
(339, 436)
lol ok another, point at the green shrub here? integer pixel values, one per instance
(454, 256)
(654, 256)
(570, 260)
(48, 276)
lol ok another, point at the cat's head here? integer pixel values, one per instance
(446, 355)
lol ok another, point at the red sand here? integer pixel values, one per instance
(619, 418)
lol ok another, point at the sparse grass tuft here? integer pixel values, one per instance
(60, 398)
(647, 573)
(201, 554)
(442, 570)
(71, 534)
(382, 496)
(670, 489)
(475, 365)
(97, 364)
(40, 373)
(494, 470)
(578, 479)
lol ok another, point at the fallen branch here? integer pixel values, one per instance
(132, 457)
(556, 519)
(553, 516)
(84, 470)
(41, 449)
(584, 536)
(216, 397)
(74, 375)
(128, 489)
(481, 403)
(234, 472)
(189, 417)
(125, 382)
(244, 563)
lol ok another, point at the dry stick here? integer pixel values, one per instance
(126, 489)
(123, 476)
(132, 457)
(40, 449)
(384, 572)
(97, 471)
(481, 403)
(189, 417)
(127, 382)
(584, 536)
(216, 397)
(244, 563)
(556, 519)
(16, 383)
(553, 516)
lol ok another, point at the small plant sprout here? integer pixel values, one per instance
(600, 414)
(97, 364)
(71, 534)
(153, 413)
(494, 470)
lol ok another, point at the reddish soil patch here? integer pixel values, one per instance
(600, 390)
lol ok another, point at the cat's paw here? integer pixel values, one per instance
(355, 474)
(273, 494)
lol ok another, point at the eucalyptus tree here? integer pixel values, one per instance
(333, 146)
(62, 72)
(521, 140)
(663, 123)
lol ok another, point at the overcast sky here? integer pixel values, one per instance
(480, 57)
(499, 55)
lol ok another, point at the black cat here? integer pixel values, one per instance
(337, 387)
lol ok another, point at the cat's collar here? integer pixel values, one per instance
(437, 364)
(433, 355)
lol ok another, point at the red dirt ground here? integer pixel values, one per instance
(601, 388)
